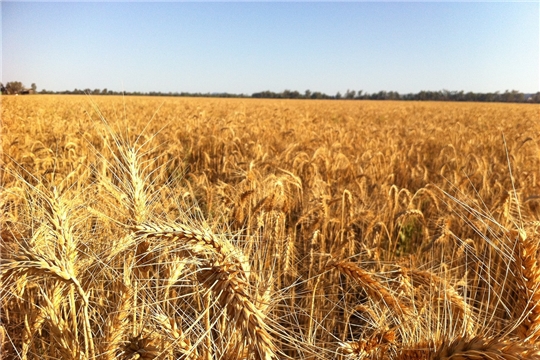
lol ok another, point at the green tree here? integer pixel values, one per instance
(33, 87)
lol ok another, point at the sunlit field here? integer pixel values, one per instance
(178, 228)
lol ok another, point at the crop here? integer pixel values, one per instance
(177, 228)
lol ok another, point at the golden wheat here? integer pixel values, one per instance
(264, 229)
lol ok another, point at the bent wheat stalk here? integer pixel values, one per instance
(485, 349)
(224, 273)
(372, 286)
(200, 241)
(442, 291)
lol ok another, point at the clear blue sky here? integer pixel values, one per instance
(246, 47)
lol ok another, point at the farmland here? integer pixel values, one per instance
(142, 228)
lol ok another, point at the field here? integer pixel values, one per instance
(178, 228)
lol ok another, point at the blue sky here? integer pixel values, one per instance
(245, 47)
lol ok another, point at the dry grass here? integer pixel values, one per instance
(174, 228)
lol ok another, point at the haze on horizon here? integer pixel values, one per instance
(248, 47)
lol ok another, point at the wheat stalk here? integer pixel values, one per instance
(373, 287)
(485, 349)
(231, 292)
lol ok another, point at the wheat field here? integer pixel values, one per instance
(178, 228)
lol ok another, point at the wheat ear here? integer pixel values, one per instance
(373, 287)
(527, 248)
(231, 293)
(226, 276)
(485, 349)
(445, 291)
(199, 240)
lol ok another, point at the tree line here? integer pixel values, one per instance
(16, 87)
(443, 95)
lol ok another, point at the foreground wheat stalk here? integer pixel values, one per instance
(224, 274)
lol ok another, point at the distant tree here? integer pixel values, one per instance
(506, 96)
(491, 97)
(392, 95)
(307, 94)
(14, 87)
(33, 87)
(104, 91)
(517, 96)
(470, 96)
(338, 95)
(350, 94)
(381, 95)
